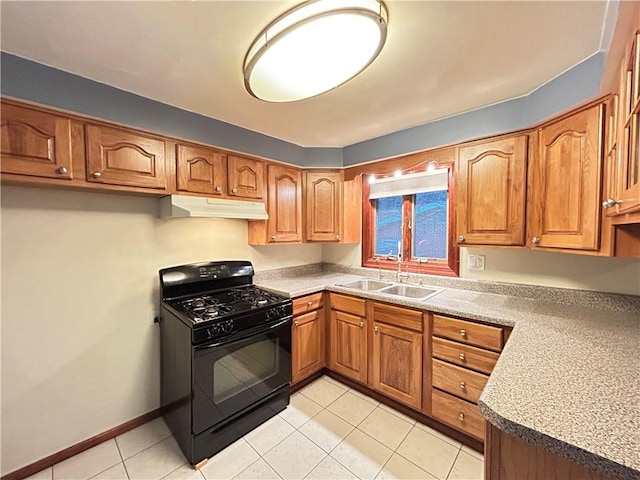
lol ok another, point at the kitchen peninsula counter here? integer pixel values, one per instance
(568, 378)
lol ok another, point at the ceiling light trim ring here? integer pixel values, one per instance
(254, 55)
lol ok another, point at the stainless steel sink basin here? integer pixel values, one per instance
(410, 291)
(367, 284)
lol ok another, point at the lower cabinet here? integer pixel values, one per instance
(508, 457)
(348, 337)
(397, 353)
(307, 337)
(463, 355)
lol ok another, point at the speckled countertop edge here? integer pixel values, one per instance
(525, 314)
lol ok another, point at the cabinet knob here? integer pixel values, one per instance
(536, 240)
(310, 302)
(461, 238)
(296, 323)
(462, 385)
(361, 324)
(62, 170)
(461, 417)
(234, 190)
(463, 333)
(462, 357)
(273, 238)
(375, 329)
(96, 174)
(337, 237)
(218, 188)
(610, 202)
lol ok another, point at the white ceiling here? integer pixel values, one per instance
(441, 58)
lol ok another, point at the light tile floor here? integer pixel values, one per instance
(329, 431)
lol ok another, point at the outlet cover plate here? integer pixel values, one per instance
(476, 262)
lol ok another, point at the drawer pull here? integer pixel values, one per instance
(375, 329)
(361, 324)
(462, 356)
(296, 323)
(463, 333)
(462, 385)
(310, 303)
(461, 417)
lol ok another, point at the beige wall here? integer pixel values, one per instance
(80, 352)
(616, 275)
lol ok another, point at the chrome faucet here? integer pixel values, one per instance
(399, 274)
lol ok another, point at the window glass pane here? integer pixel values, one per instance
(430, 225)
(388, 228)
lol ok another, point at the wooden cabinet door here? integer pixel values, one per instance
(490, 192)
(122, 157)
(307, 344)
(246, 177)
(284, 204)
(200, 170)
(397, 363)
(565, 185)
(35, 143)
(323, 206)
(348, 351)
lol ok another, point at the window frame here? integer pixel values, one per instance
(448, 268)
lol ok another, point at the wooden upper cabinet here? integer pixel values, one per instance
(246, 177)
(565, 183)
(323, 194)
(123, 157)
(200, 170)
(284, 204)
(490, 192)
(35, 143)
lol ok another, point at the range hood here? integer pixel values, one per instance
(187, 206)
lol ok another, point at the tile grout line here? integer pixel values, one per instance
(122, 458)
(395, 450)
(453, 464)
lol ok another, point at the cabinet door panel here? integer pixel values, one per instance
(121, 157)
(308, 344)
(246, 177)
(348, 345)
(284, 205)
(491, 192)
(200, 170)
(35, 143)
(397, 363)
(566, 183)
(323, 194)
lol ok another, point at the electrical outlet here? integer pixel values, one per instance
(476, 262)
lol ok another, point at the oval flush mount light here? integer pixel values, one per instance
(313, 48)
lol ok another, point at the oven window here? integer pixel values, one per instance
(245, 367)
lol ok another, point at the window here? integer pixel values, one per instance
(410, 214)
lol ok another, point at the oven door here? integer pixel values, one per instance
(232, 374)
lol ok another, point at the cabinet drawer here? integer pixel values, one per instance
(460, 414)
(458, 381)
(357, 306)
(307, 303)
(400, 317)
(464, 355)
(468, 332)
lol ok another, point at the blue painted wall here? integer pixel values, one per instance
(573, 86)
(38, 83)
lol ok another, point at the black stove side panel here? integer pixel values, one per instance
(175, 378)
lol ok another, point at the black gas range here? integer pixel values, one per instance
(226, 354)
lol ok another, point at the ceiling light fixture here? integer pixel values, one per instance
(313, 48)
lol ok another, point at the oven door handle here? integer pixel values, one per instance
(245, 334)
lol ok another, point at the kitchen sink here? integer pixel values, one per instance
(410, 291)
(367, 284)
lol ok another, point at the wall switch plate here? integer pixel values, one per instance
(476, 262)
